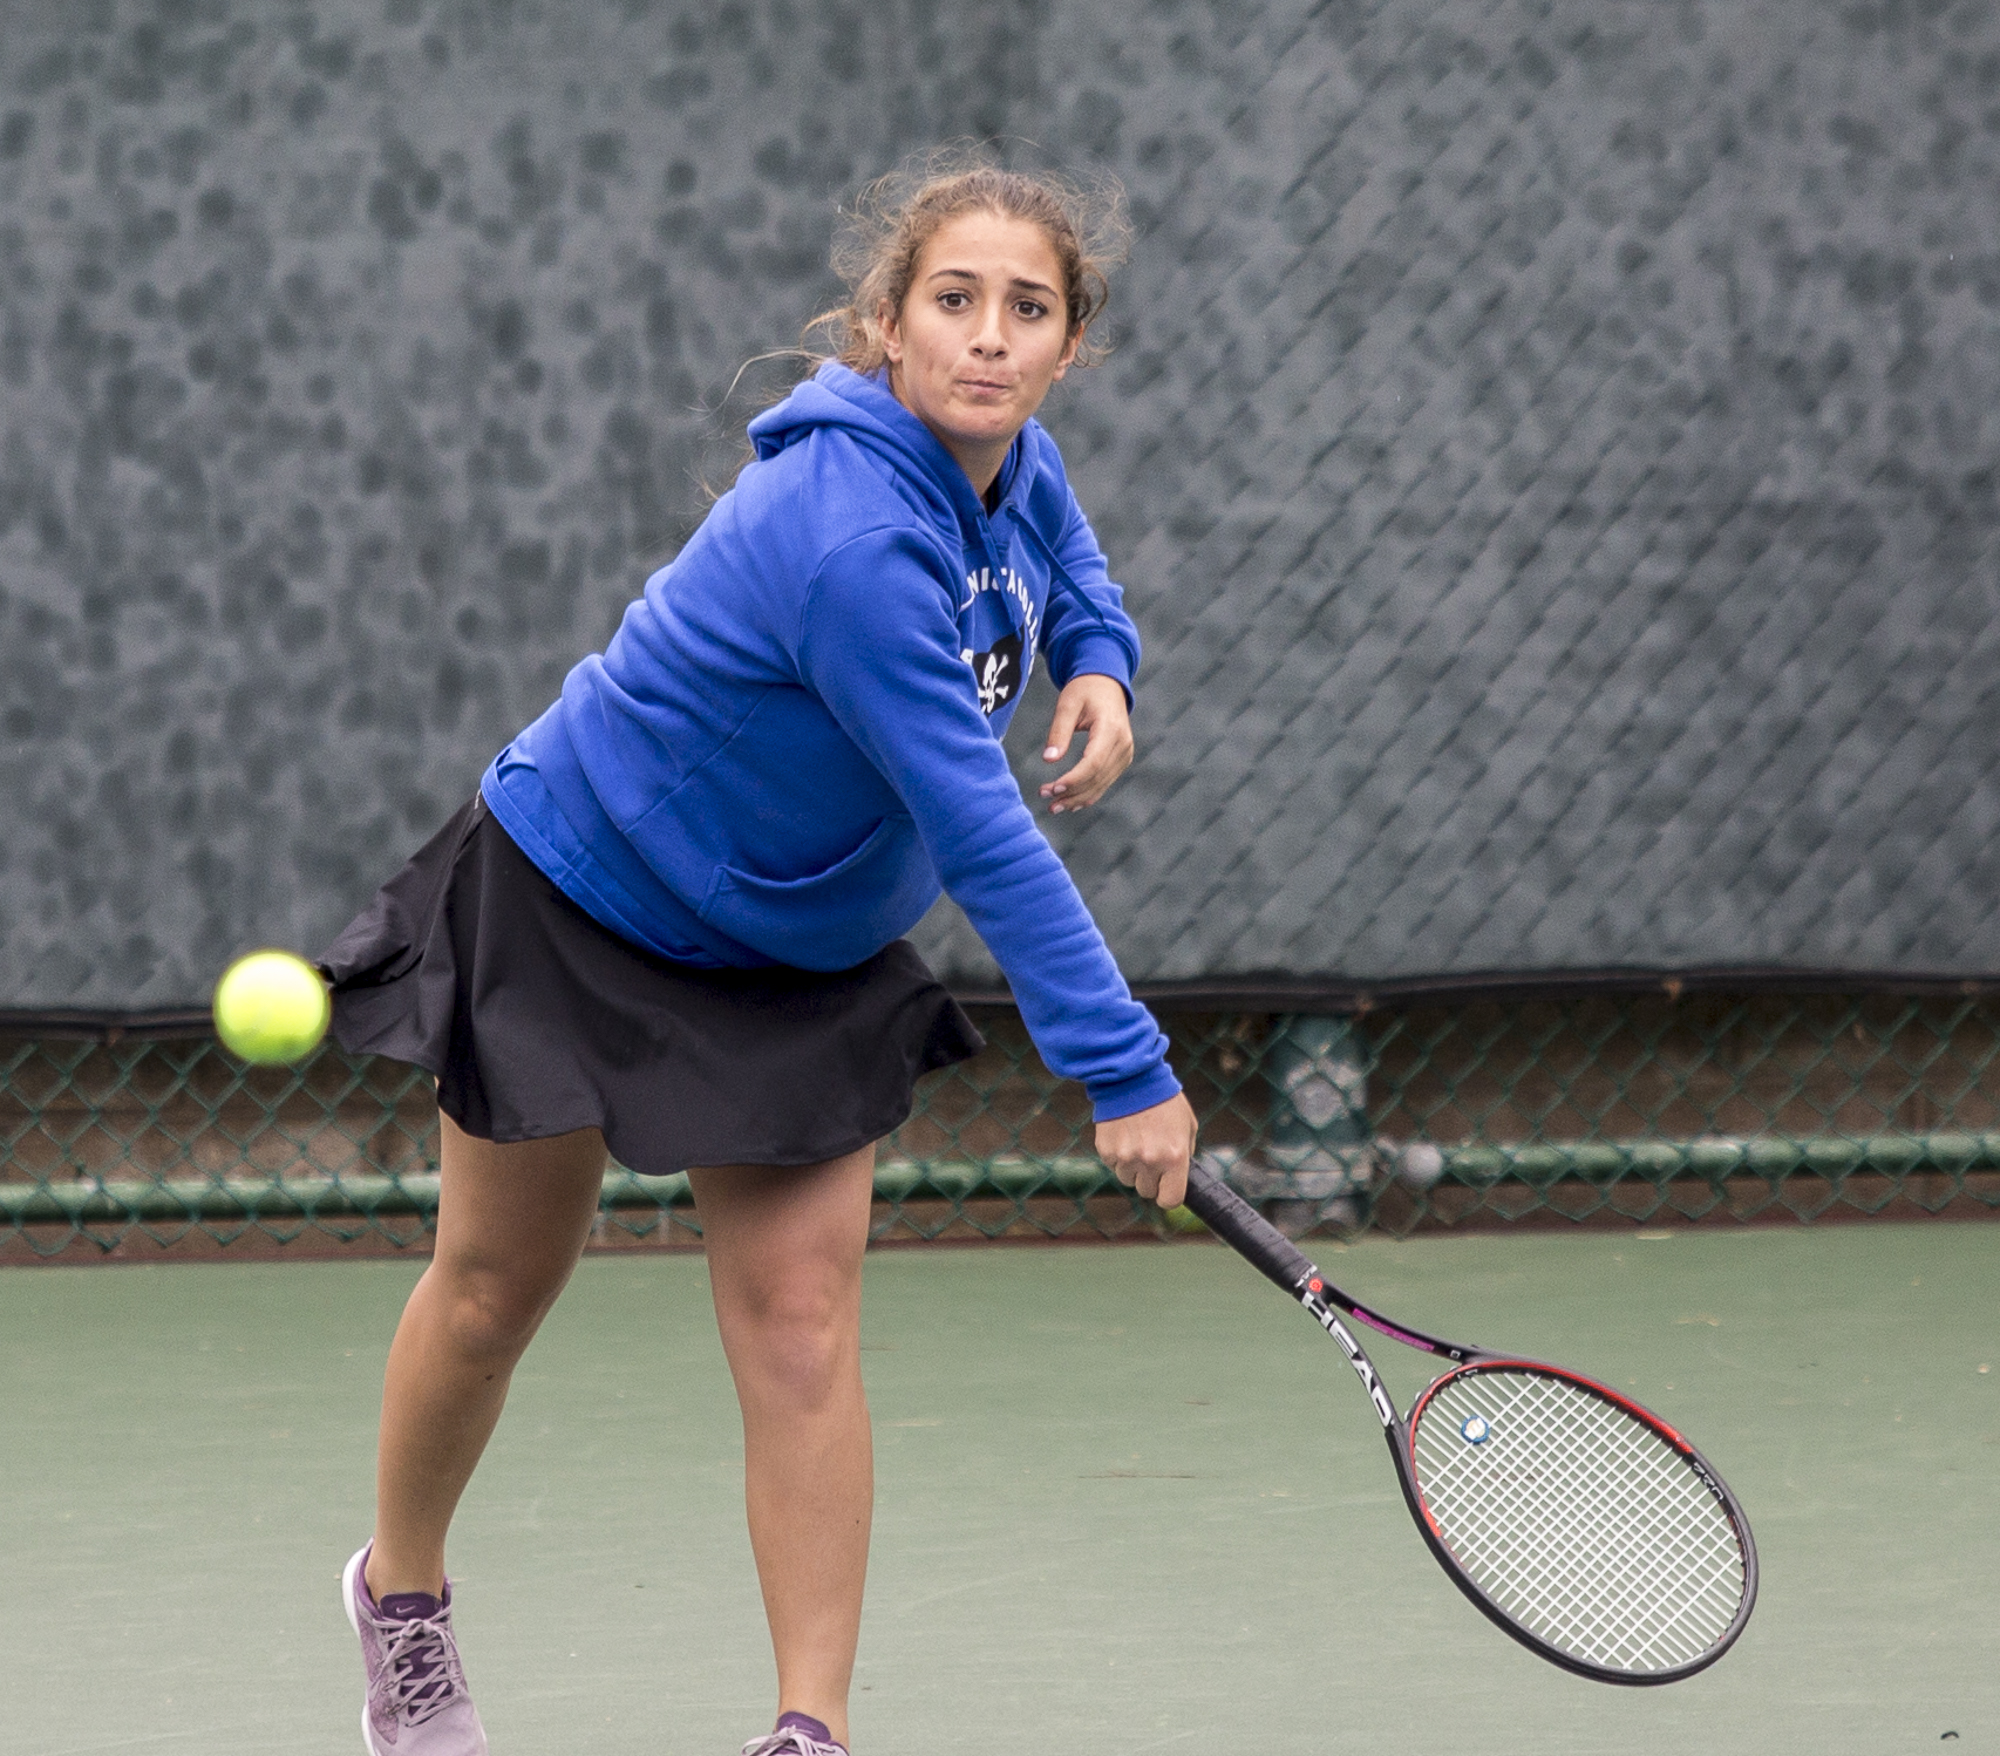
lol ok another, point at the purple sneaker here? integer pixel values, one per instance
(797, 1734)
(417, 1700)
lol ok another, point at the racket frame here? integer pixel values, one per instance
(1267, 1249)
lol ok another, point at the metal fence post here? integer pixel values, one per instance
(1316, 1154)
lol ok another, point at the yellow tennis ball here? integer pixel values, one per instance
(1184, 1219)
(271, 1007)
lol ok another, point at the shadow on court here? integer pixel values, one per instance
(1128, 1500)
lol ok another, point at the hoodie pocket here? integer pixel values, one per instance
(832, 919)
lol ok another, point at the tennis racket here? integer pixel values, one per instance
(1579, 1522)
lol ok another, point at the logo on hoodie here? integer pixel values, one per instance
(996, 673)
(1001, 609)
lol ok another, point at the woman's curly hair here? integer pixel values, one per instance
(887, 228)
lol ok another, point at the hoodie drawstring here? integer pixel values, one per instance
(1058, 573)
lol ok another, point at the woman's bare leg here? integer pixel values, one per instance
(784, 1259)
(512, 1221)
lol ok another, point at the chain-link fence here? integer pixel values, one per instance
(1653, 1107)
(1548, 446)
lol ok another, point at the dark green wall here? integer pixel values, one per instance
(1551, 449)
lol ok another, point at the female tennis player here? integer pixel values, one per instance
(670, 924)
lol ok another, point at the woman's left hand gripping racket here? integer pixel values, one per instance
(1581, 1523)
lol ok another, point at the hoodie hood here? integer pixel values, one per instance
(866, 410)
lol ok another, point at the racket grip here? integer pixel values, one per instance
(1245, 1230)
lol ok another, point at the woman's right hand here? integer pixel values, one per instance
(1149, 1150)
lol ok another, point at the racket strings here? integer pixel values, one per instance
(1612, 1590)
(1612, 1584)
(1612, 1609)
(1607, 1580)
(1595, 1595)
(1578, 1520)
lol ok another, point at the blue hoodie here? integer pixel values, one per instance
(794, 735)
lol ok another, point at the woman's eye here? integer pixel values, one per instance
(954, 301)
(1029, 308)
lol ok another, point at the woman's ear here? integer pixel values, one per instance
(1068, 357)
(891, 332)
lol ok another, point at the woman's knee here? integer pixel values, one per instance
(489, 1314)
(799, 1337)
(512, 1219)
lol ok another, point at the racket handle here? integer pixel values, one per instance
(1244, 1229)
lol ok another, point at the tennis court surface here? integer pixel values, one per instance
(1127, 1501)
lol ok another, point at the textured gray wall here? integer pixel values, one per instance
(1551, 449)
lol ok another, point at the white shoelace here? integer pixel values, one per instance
(791, 1742)
(424, 1672)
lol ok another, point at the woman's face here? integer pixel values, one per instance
(982, 334)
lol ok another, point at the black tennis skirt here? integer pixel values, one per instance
(536, 1020)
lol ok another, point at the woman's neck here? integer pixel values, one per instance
(981, 459)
